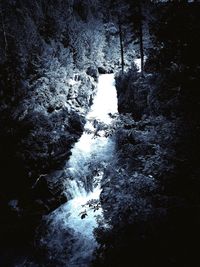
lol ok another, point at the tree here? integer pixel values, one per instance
(139, 25)
(119, 16)
(141, 38)
(4, 31)
(121, 43)
(130, 20)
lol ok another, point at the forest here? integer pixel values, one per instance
(114, 183)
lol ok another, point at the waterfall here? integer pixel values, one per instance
(70, 234)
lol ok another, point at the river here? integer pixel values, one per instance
(69, 238)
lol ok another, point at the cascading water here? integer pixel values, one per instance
(70, 236)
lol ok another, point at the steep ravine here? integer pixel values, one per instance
(45, 93)
(48, 78)
(66, 235)
(83, 186)
(34, 185)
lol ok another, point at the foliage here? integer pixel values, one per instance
(156, 169)
(45, 91)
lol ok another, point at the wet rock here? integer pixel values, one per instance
(102, 70)
(93, 72)
(13, 205)
(77, 122)
(48, 191)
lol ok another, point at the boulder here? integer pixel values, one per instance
(93, 72)
(102, 70)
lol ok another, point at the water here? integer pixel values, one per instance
(70, 238)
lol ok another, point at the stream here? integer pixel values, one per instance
(69, 238)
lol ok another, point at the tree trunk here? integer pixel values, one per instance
(4, 32)
(121, 45)
(141, 40)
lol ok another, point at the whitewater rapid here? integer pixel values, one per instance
(71, 226)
